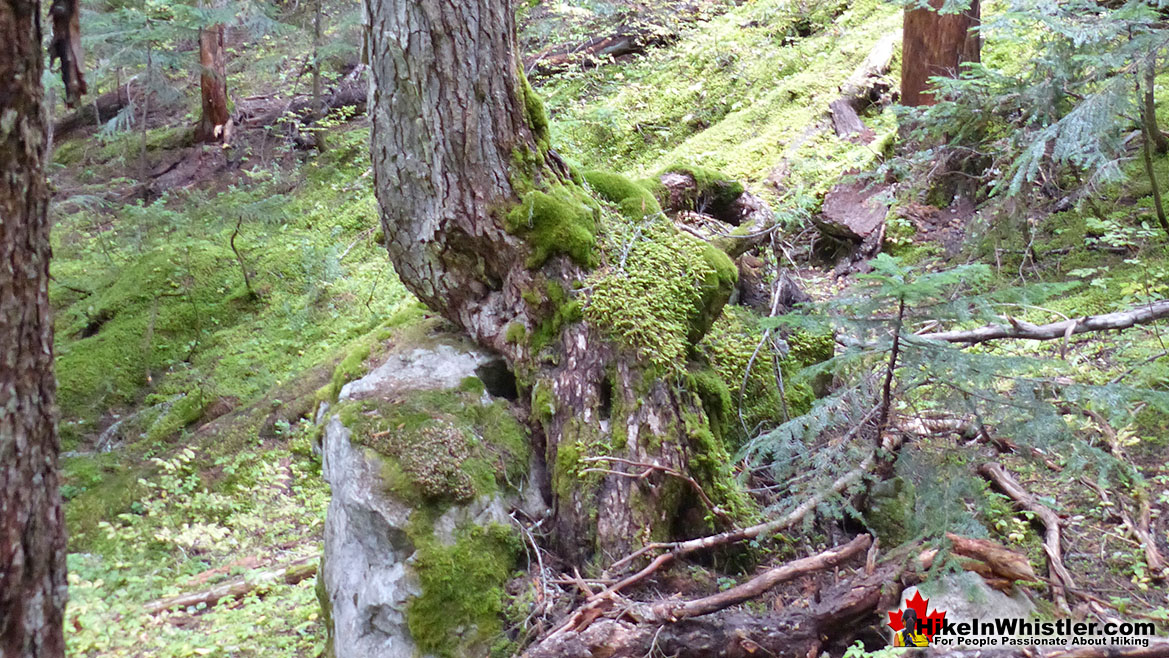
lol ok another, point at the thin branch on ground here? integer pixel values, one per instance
(1056, 330)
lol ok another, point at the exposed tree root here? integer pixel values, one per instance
(290, 573)
(1061, 579)
(1056, 330)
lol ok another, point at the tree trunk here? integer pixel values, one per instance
(464, 176)
(935, 45)
(1149, 110)
(66, 47)
(32, 534)
(213, 80)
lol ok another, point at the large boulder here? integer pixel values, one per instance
(425, 466)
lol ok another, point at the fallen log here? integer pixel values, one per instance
(291, 574)
(626, 40)
(1056, 330)
(866, 86)
(94, 112)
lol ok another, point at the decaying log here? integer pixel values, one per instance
(1016, 328)
(1001, 563)
(1061, 579)
(626, 40)
(864, 87)
(291, 573)
(96, 111)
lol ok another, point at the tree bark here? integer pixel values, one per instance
(213, 81)
(935, 45)
(32, 533)
(458, 138)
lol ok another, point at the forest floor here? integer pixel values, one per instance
(200, 321)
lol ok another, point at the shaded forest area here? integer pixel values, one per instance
(707, 328)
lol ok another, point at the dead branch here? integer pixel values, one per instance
(1061, 579)
(1138, 528)
(1056, 330)
(794, 632)
(291, 573)
(671, 611)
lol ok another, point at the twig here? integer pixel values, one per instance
(243, 266)
(1061, 579)
(649, 468)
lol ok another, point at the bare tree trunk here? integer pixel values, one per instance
(318, 101)
(213, 80)
(32, 532)
(459, 140)
(935, 45)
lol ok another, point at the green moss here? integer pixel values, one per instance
(543, 404)
(716, 399)
(350, 368)
(179, 414)
(710, 464)
(441, 445)
(728, 348)
(460, 608)
(890, 512)
(558, 310)
(566, 474)
(669, 289)
(516, 333)
(556, 221)
(534, 111)
(633, 200)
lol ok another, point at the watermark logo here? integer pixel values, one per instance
(915, 624)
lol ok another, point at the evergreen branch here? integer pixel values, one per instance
(1145, 314)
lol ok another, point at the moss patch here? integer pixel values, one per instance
(441, 445)
(460, 609)
(557, 220)
(661, 291)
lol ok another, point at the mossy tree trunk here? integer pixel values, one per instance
(488, 226)
(32, 533)
(213, 83)
(935, 45)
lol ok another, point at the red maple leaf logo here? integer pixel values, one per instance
(931, 622)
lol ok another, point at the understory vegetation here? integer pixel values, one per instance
(209, 299)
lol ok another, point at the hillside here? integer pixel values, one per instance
(209, 298)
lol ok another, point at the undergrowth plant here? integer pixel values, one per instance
(897, 374)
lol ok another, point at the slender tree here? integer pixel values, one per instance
(486, 224)
(32, 532)
(935, 44)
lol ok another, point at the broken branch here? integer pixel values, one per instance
(291, 573)
(1056, 330)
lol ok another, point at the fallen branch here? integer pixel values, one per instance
(671, 611)
(1056, 330)
(291, 573)
(794, 632)
(1061, 579)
